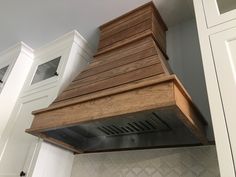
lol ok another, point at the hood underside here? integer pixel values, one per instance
(127, 98)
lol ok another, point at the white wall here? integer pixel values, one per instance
(184, 54)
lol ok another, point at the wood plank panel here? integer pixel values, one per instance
(159, 34)
(126, 17)
(128, 67)
(119, 62)
(131, 48)
(192, 118)
(112, 82)
(120, 44)
(166, 67)
(125, 25)
(110, 91)
(129, 32)
(160, 95)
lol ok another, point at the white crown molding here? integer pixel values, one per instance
(11, 49)
(83, 43)
(27, 49)
(19, 47)
(63, 42)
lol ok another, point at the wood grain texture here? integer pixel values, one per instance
(159, 96)
(127, 17)
(116, 61)
(135, 75)
(140, 22)
(129, 75)
(140, 17)
(111, 91)
(125, 34)
(115, 71)
(191, 116)
(119, 44)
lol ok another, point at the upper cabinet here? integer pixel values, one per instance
(15, 64)
(224, 51)
(51, 67)
(219, 11)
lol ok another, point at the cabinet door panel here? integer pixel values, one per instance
(224, 51)
(19, 145)
(219, 11)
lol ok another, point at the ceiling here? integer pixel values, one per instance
(39, 22)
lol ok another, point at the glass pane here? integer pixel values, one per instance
(226, 5)
(46, 70)
(3, 72)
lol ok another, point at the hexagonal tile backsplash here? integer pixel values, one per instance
(177, 162)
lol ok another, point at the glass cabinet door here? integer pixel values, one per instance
(46, 70)
(226, 5)
(219, 11)
(3, 71)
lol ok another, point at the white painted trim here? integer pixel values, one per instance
(217, 113)
(78, 39)
(26, 49)
(21, 46)
(213, 15)
(62, 42)
(15, 47)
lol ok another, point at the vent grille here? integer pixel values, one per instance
(150, 124)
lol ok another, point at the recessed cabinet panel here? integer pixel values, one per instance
(19, 143)
(226, 5)
(2, 73)
(219, 11)
(46, 70)
(224, 49)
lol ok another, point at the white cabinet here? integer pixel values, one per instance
(224, 54)
(55, 66)
(18, 146)
(216, 22)
(15, 64)
(219, 11)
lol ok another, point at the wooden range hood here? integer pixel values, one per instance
(127, 98)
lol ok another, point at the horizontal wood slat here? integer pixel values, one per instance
(110, 91)
(128, 67)
(159, 96)
(159, 34)
(126, 24)
(112, 82)
(124, 51)
(124, 30)
(122, 61)
(125, 34)
(126, 17)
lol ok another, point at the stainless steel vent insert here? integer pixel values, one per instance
(141, 130)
